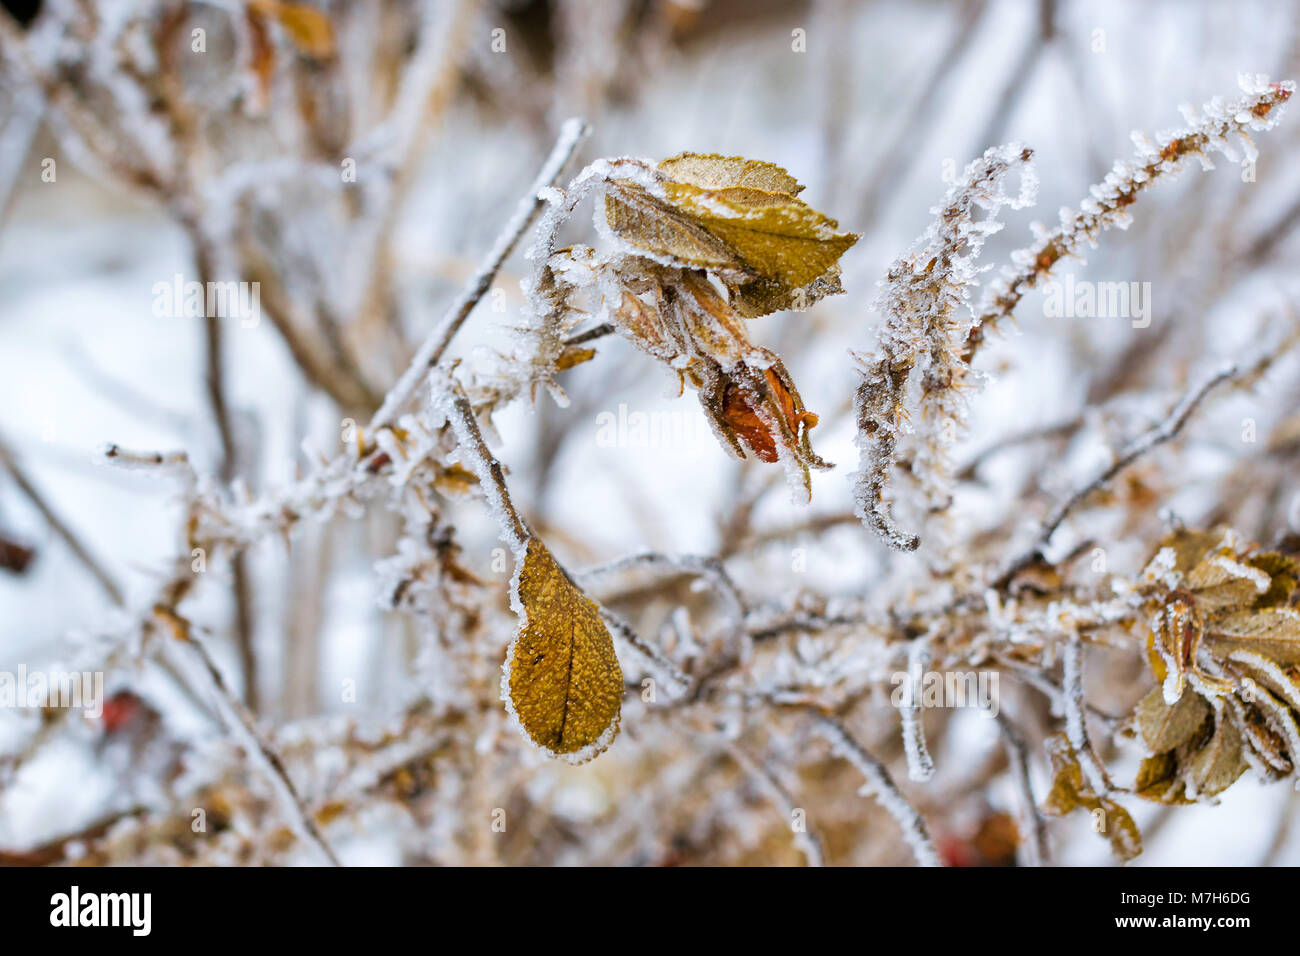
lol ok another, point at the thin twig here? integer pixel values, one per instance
(1037, 850)
(883, 181)
(701, 565)
(1144, 443)
(476, 454)
(431, 351)
(1076, 717)
(882, 786)
(1019, 79)
(57, 525)
(653, 654)
(593, 333)
(806, 840)
(240, 722)
(205, 257)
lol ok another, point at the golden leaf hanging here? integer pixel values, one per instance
(1164, 727)
(562, 678)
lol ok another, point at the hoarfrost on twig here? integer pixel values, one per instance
(882, 787)
(920, 767)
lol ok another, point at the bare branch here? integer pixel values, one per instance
(882, 786)
(431, 352)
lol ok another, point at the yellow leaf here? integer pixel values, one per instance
(1283, 573)
(308, 29)
(740, 218)
(562, 678)
(1070, 792)
(1215, 766)
(1220, 580)
(573, 355)
(712, 171)
(655, 227)
(1282, 681)
(1125, 838)
(1188, 547)
(1175, 635)
(1157, 780)
(775, 235)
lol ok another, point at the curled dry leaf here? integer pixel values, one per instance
(1224, 643)
(561, 679)
(1070, 791)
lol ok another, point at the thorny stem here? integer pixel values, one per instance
(883, 390)
(920, 302)
(432, 350)
(1063, 241)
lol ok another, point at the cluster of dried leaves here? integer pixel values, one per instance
(705, 242)
(1224, 646)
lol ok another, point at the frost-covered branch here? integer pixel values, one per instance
(240, 722)
(926, 307)
(1076, 716)
(1258, 110)
(433, 349)
(882, 787)
(920, 766)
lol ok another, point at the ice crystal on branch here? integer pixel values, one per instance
(1107, 206)
(925, 301)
